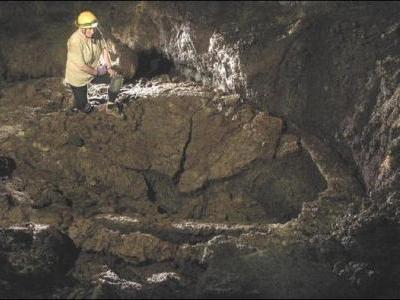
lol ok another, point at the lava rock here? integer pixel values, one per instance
(34, 254)
(111, 286)
(134, 247)
(162, 285)
(76, 140)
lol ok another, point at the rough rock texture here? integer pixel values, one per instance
(222, 153)
(47, 22)
(256, 172)
(330, 69)
(136, 247)
(160, 157)
(265, 164)
(164, 285)
(34, 256)
(277, 63)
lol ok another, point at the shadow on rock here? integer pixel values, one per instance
(7, 166)
(33, 256)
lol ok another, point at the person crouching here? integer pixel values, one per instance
(83, 58)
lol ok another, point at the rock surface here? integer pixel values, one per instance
(257, 156)
(35, 256)
(161, 158)
(120, 188)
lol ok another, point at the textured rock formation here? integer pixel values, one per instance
(161, 157)
(33, 256)
(249, 170)
(269, 151)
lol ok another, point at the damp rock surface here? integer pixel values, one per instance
(35, 256)
(171, 188)
(175, 154)
(256, 155)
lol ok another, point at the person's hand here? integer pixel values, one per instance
(112, 72)
(102, 70)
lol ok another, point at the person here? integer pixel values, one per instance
(85, 49)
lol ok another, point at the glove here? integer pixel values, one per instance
(102, 70)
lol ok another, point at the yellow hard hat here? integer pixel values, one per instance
(86, 19)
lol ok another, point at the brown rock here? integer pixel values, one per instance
(288, 144)
(135, 247)
(221, 147)
(165, 125)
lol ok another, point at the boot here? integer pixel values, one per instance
(111, 109)
(88, 108)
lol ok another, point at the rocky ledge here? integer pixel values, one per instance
(172, 200)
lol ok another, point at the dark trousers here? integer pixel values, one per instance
(80, 92)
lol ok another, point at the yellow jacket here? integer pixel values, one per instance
(82, 51)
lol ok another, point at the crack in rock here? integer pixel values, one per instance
(181, 169)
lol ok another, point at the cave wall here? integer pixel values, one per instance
(337, 80)
(327, 68)
(33, 38)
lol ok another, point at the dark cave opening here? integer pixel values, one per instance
(152, 63)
